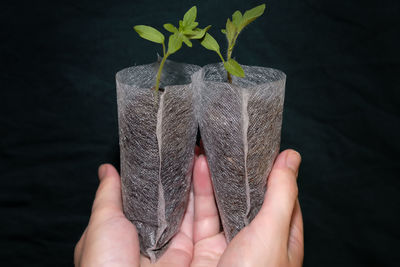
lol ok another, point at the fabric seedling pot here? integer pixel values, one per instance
(157, 135)
(240, 126)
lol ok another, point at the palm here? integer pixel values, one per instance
(121, 241)
(273, 238)
(199, 241)
(250, 247)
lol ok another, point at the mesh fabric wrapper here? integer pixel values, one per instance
(157, 137)
(240, 126)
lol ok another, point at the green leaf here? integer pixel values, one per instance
(210, 43)
(251, 15)
(192, 26)
(234, 68)
(175, 42)
(190, 16)
(187, 30)
(223, 31)
(180, 25)
(230, 31)
(199, 33)
(171, 28)
(237, 18)
(149, 33)
(186, 41)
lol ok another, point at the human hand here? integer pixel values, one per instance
(273, 238)
(111, 240)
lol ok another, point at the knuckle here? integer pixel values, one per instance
(283, 179)
(102, 212)
(282, 176)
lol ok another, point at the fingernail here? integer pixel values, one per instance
(293, 159)
(102, 171)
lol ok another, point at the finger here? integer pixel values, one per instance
(180, 251)
(187, 223)
(296, 236)
(206, 219)
(108, 202)
(78, 248)
(274, 217)
(198, 150)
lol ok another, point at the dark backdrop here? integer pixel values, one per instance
(58, 115)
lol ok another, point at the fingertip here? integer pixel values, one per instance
(201, 164)
(293, 159)
(201, 157)
(107, 170)
(108, 200)
(102, 171)
(288, 158)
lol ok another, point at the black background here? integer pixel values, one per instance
(58, 115)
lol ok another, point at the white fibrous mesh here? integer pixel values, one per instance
(157, 138)
(240, 126)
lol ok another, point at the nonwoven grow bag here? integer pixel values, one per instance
(240, 126)
(157, 135)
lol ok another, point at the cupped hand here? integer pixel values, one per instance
(110, 239)
(273, 238)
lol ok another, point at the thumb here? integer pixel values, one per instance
(274, 217)
(108, 201)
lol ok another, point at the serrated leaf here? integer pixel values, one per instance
(223, 31)
(210, 43)
(234, 68)
(169, 27)
(199, 33)
(149, 33)
(190, 16)
(230, 31)
(186, 41)
(251, 14)
(237, 18)
(175, 42)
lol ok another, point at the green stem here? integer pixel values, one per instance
(229, 53)
(163, 49)
(159, 72)
(229, 78)
(231, 46)
(223, 61)
(228, 56)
